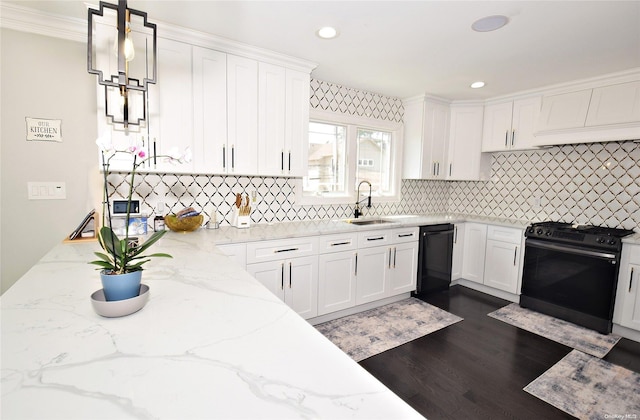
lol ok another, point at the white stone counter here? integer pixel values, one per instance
(211, 342)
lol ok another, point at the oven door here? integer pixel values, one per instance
(567, 281)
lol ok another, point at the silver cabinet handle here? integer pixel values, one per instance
(233, 157)
(631, 280)
(450, 168)
(394, 256)
(389, 265)
(376, 238)
(289, 274)
(513, 137)
(515, 255)
(455, 234)
(434, 169)
(356, 269)
(282, 160)
(282, 276)
(285, 250)
(341, 243)
(506, 138)
(224, 157)
(438, 166)
(405, 235)
(289, 160)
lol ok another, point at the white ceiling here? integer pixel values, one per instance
(405, 48)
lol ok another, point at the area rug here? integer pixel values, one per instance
(589, 388)
(371, 332)
(558, 330)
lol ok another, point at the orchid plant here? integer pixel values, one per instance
(121, 256)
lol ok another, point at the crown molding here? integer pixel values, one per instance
(30, 20)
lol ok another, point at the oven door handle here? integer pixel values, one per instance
(569, 249)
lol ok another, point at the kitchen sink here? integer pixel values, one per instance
(367, 221)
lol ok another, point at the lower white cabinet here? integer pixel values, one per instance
(475, 243)
(458, 245)
(404, 268)
(336, 281)
(372, 274)
(294, 280)
(627, 307)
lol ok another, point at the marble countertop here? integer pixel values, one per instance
(261, 232)
(211, 342)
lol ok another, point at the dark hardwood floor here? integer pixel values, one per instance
(477, 368)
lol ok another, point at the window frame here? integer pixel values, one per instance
(352, 123)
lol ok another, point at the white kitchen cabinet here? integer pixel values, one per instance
(240, 153)
(466, 160)
(502, 261)
(510, 125)
(627, 306)
(283, 115)
(294, 281)
(403, 268)
(210, 110)
(565, 110)
(475, 243)
(426, 136)
(337, 272)
(615, 104)
(171, 105)
(458, 251)
(372, 271)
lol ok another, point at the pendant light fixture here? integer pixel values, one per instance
(125, 93)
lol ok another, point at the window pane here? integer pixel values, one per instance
(374, 160)
(327, 154)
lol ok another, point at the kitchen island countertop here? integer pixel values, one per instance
(211, 342)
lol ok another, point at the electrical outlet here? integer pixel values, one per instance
(47, 190)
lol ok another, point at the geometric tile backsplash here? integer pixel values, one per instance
(595, 183)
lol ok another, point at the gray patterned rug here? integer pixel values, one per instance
(371, 332)
(563, 332)
(589, 388)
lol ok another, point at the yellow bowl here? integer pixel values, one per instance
(187, 224)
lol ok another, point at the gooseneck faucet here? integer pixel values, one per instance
(357, 211)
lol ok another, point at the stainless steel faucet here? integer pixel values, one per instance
(357, 212)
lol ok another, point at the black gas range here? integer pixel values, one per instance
(580, 235)
(571, 272)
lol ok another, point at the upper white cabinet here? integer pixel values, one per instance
(617, 104)
(426, 136)
(606, 111)
(510, 125)
(283, 120)
(466, 160)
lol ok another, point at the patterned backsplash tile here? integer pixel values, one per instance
(596, 183)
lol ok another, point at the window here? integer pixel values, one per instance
(345, 150)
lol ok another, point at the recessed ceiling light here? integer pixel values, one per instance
(327, 32)
(477, 85)
(489, 23)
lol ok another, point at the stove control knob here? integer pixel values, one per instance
(600, 240)
(612, 241)
(548, 233)
(539, 231)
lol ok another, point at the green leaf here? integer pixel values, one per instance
(152, 240)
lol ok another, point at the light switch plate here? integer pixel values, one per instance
(46, 190)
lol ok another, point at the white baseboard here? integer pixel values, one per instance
(354, 310)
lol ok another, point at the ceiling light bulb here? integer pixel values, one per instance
(489, 23)
(327, 32)
(477, 85)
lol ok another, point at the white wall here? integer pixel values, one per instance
(43, 77)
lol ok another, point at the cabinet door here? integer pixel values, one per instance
(372, 272)
(242, 116)
(297, 122)
(475, 242)
(567, 110)
(210, 110)
(501, 267)
(301, 286)
(336, 281)
(271, 119)
(466, 161)
(171, 104)
(496, 133)
(458, 243)
(630, 286)
(404, 268)
(526, 113)
(616, 104)
(271, 274)
(436, 139)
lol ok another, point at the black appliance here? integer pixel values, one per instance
(571, 272)
(435, 253)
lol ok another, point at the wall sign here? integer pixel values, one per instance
(39, 129)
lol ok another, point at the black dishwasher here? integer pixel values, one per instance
(435, 254)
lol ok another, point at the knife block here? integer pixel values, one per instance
(240, 222)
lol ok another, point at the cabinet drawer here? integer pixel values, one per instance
(375, 238)
(281, 248)
(505, 234)
(405, 235)
(338, 242)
